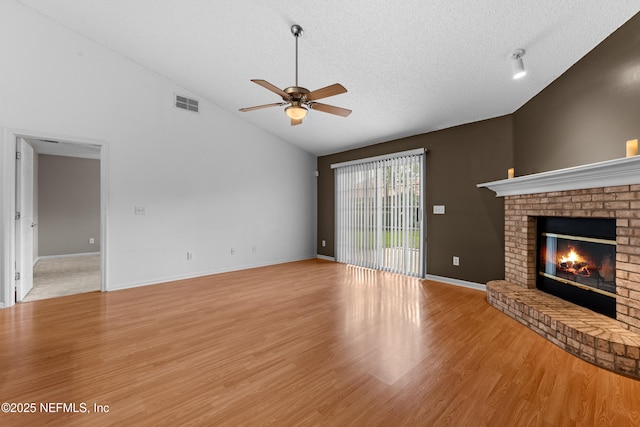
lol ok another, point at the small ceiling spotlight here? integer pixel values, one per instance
(518, 65)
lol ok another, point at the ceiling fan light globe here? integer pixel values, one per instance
(296, 112)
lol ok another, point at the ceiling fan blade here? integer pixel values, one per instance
(265, 84)
(325, 92)
(258, 107)
(295, 122)
(338, 111)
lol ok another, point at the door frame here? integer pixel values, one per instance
(8, 205)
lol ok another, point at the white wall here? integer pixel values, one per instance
(209, 181)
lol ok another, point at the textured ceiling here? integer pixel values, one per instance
(410, 67)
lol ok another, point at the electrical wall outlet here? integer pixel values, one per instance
(92, 240)
(140, 210)
(324, 243)
(233, 251)
(456, 260)
(438, 209)
(189, 256)
(254, 249)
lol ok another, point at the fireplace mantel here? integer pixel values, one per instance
(610, 173)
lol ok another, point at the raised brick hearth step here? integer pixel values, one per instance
(590, 336)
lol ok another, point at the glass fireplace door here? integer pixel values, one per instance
(577, 261)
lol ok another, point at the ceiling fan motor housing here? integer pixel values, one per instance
(296, 93)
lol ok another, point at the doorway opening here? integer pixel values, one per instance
(379, 215)
(60, 218)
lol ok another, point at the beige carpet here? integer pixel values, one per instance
(55, 277)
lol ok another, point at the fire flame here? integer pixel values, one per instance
(574, 263)
(572, 257)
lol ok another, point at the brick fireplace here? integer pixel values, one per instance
(603, 190)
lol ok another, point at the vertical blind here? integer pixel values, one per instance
(379, 213)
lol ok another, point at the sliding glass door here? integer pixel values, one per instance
(379, 213)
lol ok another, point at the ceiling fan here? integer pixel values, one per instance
(299, 99)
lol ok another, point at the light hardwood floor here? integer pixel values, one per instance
(305, 343)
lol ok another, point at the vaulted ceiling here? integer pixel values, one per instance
(410, 67)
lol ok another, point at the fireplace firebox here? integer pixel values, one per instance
(577, 261)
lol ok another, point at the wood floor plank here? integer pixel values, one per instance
(304, 343)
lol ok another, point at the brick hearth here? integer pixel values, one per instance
(590, 336)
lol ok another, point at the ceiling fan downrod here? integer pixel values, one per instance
(297, 31)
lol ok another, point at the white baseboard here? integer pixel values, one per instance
(160, 280)
(68, 255)
(456, 282)
(447, 280)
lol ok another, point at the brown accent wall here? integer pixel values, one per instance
(458, 158)
(588, 113)
(584, 116)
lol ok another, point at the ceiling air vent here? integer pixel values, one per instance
(186, 103)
